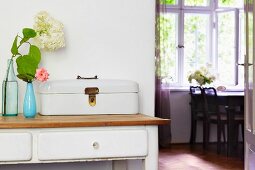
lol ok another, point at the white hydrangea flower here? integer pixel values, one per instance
(201, 76)
(50, 34)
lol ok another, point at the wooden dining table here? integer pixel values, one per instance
(234, 99)
(227, 98)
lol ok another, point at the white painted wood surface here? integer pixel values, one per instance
(151, 161)
(15, 146)
(92, 144)
(78, 104)
(113, 97)
(59, 145)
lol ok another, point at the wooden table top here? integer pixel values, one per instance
(79, 121)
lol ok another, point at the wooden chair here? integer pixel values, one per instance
(235, 119)
(197, 110)
(214, 116)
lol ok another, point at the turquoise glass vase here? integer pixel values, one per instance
(10, 92)
(29, 105)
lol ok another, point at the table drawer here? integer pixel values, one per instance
(15, 146)
(92, 144)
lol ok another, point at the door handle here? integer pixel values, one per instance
(180, 46)
(244, 64)
(249, 64)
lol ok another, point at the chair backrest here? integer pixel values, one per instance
(211, 100)
(197, 100)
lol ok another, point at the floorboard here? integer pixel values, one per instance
(183, 157)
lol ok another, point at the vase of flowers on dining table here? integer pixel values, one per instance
(201, 76)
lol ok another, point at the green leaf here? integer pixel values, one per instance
(24, 39)
(26, 67)
(25, 77)
(34, 52)
(14, 48)
(28, 33)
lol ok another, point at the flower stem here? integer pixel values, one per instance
(5, 85)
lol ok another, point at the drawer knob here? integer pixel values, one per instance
(95, 145)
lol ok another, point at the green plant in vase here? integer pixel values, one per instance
(33, 55)
(27, 64)
(48, 35)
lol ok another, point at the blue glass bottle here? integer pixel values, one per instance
(10, 92)
(29, 105)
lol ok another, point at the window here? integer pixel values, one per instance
(201, 32)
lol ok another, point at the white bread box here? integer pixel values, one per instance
(89, 96)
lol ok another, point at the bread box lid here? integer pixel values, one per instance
(77, 86)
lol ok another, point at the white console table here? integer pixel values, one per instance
(48, 139)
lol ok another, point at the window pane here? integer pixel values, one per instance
(168, 38)
(196, 2)
(196, 42)
(226, 48)
(231, 3)
(169, 2)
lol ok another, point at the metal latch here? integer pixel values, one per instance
(92, 92)
(86, 78)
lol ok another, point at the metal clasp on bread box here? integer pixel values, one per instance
(92, 92)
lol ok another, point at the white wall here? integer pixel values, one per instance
(108, 38)
(181, 118)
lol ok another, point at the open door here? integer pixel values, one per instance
(249, 86)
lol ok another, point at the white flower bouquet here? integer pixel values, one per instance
(201, 76)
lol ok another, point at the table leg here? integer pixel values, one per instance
(151, 160)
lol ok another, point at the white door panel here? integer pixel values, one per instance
(249, 86)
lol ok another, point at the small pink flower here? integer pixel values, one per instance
(41, 74)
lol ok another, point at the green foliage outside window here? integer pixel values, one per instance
(167, 46)
(196, 2)
(226, 47)
(231, 3)
(226, 1)
(168, 2)
(195, 41)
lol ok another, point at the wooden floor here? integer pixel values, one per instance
(182, 157)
